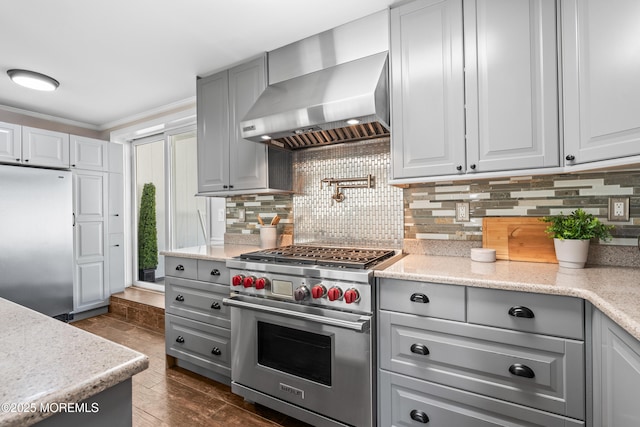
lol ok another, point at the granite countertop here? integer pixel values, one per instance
(613, 290)
(211, 252)
(46, 361)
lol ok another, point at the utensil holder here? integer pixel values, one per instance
(268, 236)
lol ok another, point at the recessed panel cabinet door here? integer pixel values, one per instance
(600, 79)
(42, 147)
(616, 378)
(213, 132)
(427, 89)
(511, 84)
(88, 153)
(248, 160)
(10, 143)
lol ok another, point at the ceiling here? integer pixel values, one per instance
(120, 58)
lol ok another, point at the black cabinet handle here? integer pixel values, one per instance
(17, 160)
(225, 186)
(116, 214)
(180, 339)
(26, 160)
(421, 298)
(521, 370)
(231, 186)
(570, 157)
(420, 349)
(180, 298)
(215, 305)
(519, 311)
(73, 166)
(180, 267)
(117, 246)
(472, 166)
(216, 351)
(215, 272)
(419, 416)
(459, 167)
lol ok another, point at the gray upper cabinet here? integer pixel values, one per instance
(498, 57)
(616, 375)
(511, 84)
(600, 79)
(228, 164)
(427, 84)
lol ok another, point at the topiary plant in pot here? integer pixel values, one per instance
(147, 235)
(571, 236)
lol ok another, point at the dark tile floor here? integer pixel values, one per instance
(176, 397)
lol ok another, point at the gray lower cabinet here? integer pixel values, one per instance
(197, 324)
(616, 374)
(479, 368)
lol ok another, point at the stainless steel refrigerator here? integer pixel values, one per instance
(36, 239)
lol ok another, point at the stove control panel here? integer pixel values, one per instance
(304, 290)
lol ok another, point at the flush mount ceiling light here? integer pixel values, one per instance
(353, 121)
(33, 80)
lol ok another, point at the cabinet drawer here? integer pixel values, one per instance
(480, 359)
(424, 299)
(214, 272)
(552, 314)
(201, 344)
(185, 268)
(197, 301)
(401, 397)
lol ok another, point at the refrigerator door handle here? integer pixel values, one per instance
(74, 219)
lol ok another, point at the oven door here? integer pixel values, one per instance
(313, 358)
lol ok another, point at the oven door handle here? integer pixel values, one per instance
(362, 325)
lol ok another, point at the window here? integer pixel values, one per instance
(169, 161)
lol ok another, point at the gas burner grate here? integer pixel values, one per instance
(322, 256)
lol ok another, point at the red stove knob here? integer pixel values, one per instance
(237, 280)
(261, 282)
(248, 281)
(351, 295)
(334, 293)
(301, 293)
(318, 291)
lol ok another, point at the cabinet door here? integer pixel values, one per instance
(116, 160)
(88, 153)
(45, 148)
(427, 88)
(248, 159)
(600, 79)
(511, 84)
(213, 132)
(10, 143)
(116, 263)
(116, 203)
(616, 379)
(90, 287)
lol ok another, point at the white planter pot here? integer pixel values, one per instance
(571, 253)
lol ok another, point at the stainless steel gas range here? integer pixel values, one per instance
(303, 331)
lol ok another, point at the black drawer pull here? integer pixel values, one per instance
(520, 311)
(215, 305)
(521, 370)
(180, 298)
(180, 267)
(419, 416)
(215, 272)
(420, 349)
(422, 298)
(216, 351)
(180, 339)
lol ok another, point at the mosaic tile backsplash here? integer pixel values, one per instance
(368, 217)
(429, 209)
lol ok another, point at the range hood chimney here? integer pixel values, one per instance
(343, 103)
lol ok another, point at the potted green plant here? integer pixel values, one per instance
(147, 235)
(571, 236)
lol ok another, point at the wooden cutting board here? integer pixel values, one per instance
(518, 239)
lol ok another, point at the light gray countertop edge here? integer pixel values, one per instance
(613, 290)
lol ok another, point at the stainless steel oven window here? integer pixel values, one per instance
(303, 354)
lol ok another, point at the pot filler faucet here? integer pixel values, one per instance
(338, 196)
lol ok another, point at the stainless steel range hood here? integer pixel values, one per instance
(319, 108)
